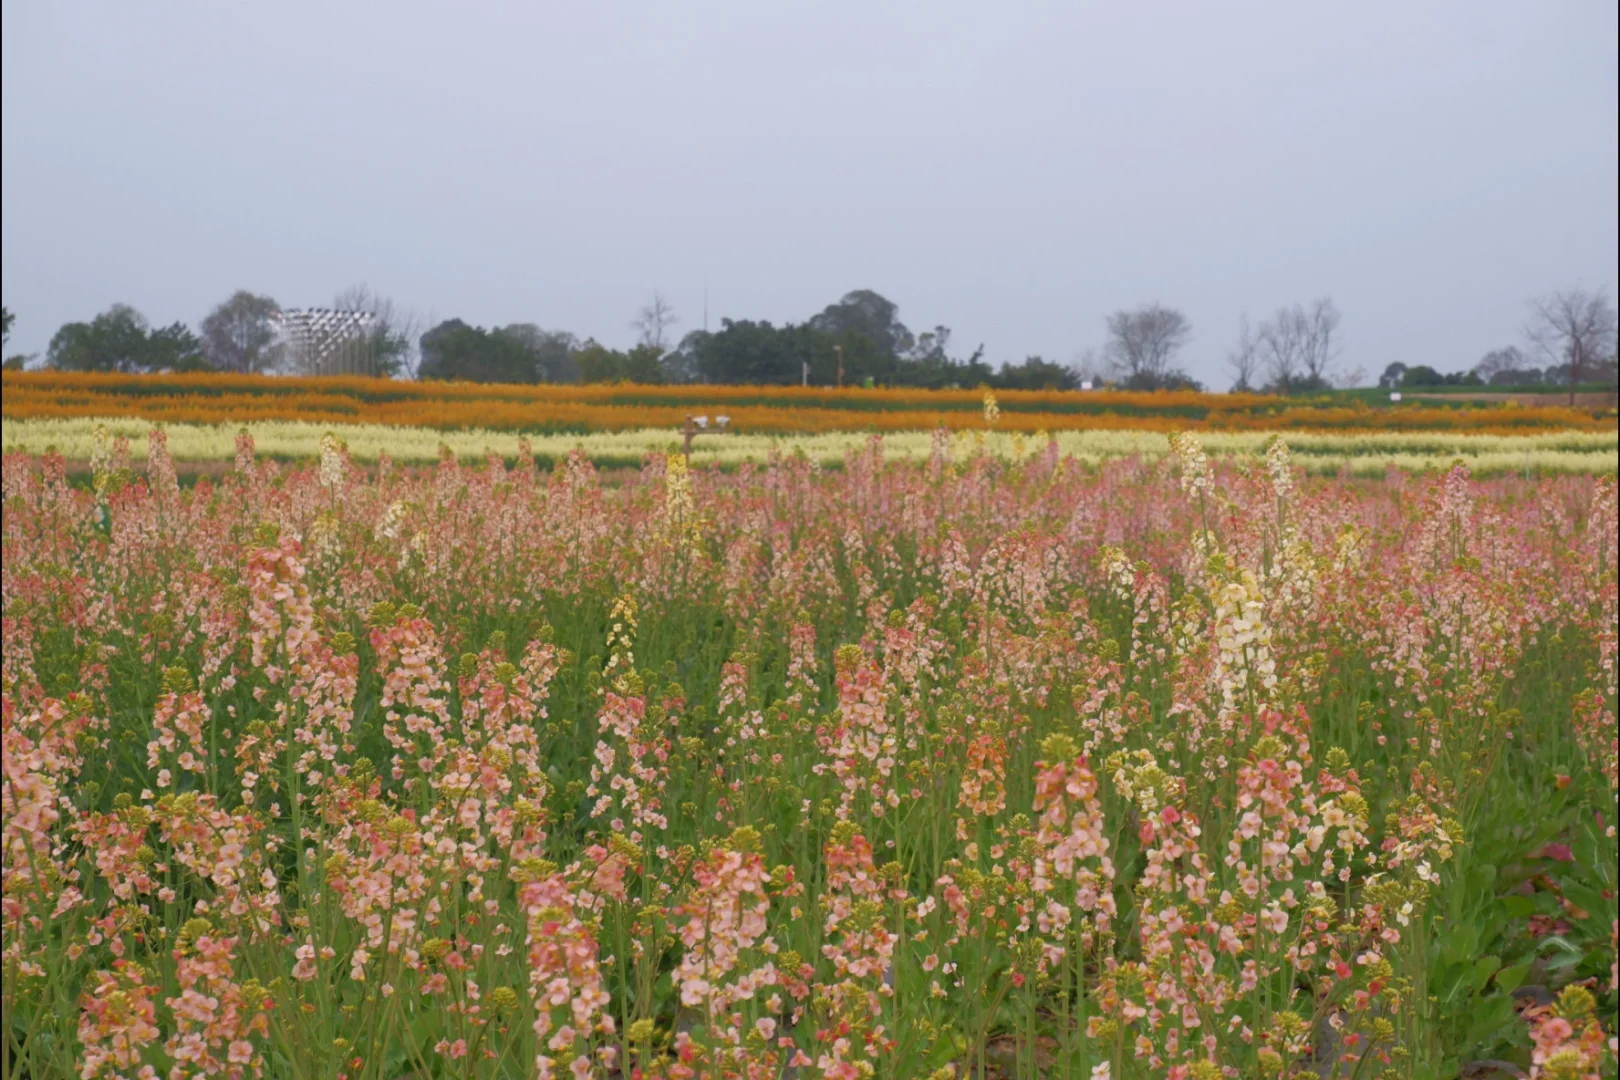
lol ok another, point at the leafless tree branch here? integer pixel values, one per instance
(1245, 356)
(1575, 328)
(654, 321)
(1143, 343)
(1298, 346)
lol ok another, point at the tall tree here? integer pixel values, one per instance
(175, 348)
(115, 340)
(744, 351)
(1574, 328)
(240, 335)
(437, 348)
(454, 350)
(553, 350)
(653, 322)
(683, 363)
(1298, 346)
(1142, 346)
(869, 315)
(1244, 358)
(119, 340)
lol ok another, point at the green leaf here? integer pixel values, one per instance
(1449, 981)
(1484, 969)
(1564, 953)
(1519, 907)
(1460, 944)
(1490, 1017)
(1509, 978)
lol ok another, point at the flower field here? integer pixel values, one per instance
(961, 765)
(761, 410)
(1370, 453)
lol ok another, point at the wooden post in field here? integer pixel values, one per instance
(688, 432)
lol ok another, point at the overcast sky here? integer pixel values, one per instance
(1014, 171)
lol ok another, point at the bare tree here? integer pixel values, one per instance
(1576, 328)
(1497, 361)
(1506, 365)
(1349, 380)
(1142, 345)
(390, 336)
(1279, 352)
(654, 320)
(1244, 357)
(1298, 346)
(1318, 329)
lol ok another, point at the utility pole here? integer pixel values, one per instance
(839, 349)
(804, 375)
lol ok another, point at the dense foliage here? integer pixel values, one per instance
(119, 339)
(916, 770)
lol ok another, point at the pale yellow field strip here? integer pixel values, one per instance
(1363, 454)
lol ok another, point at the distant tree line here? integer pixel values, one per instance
(243, 333)
(1570, 339)
(120, 339)
(858, 340)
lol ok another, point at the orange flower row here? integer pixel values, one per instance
(232, 399)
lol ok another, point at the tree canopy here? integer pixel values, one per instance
(119, 339)
(454, 350)
(240, 333)
(862, 332)
(858, 339)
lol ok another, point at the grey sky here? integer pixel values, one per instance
(1014, 171)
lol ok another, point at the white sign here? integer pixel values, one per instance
(1085, 384)
(1396, 396)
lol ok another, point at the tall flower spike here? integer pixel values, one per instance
(101, 459)
(1196, 477)
(331, 462)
